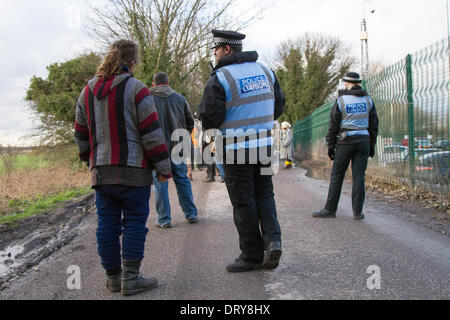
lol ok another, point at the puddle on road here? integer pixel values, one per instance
(8, 259)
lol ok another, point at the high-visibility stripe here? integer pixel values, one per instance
(253, 144)
(247, 122)
(249, 137)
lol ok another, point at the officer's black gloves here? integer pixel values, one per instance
(331, 154)
(372, 152)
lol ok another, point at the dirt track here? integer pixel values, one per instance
(322, 259)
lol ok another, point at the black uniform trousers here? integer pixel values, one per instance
(358, 154)
(254, 209)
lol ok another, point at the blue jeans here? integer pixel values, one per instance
(121, 210)
(184, 190)
(220, 167)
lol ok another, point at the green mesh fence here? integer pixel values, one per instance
(412, 101)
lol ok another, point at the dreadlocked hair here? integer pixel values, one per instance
(121, 53)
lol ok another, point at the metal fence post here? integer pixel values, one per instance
(411, 142)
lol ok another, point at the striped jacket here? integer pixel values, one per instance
(117, 126)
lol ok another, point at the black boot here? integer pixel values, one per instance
(133, 282)
(114, 280)
(358, 216)
(272, 256)
(240, 265)
(324, 214)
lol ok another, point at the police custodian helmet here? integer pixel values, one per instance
(223, 37)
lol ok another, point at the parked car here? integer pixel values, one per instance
(423, 143)
(393, 154)
(421, 152)
(434, 167)
(443, 145)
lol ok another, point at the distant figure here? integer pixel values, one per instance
(286, 145)
(175, 113)
(117, 132)
(196, 139)
(352, 136)
(219, 163)
(208, 140)
(276, 137)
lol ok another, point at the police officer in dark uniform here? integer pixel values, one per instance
(352, 136)
(243, 99)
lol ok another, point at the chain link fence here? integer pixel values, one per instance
(412, 101)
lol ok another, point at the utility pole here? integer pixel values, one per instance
(447, 18)
(364, 50)
(365, 41)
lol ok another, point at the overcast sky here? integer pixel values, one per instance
(36, 33)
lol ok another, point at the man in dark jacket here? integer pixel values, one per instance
(352, 136)
(174, 113)
(242, 99)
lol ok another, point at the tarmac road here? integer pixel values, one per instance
(322, 259)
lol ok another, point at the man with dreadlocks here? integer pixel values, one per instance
(119, 134)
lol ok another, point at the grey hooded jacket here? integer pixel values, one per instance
(173, 111)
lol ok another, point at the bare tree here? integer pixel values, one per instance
(377, 66)
(174, 35)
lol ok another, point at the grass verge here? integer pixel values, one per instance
(41, 204)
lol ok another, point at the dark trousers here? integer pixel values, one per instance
(211, 170)
(121, 210)
(254, 209)
(358, 154)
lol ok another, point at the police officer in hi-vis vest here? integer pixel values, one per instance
(243, 99)
(352, 136)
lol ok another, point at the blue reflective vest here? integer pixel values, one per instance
(355, 114)
(250, 101)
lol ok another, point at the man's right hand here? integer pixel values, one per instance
(162, 179)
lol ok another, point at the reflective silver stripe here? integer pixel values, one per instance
(342, 103)
(353, 128)
(369, 104)
(236, 101)
(250, 137)
(249, 100)
(233, 88)
(246, 122)
(358, 116)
